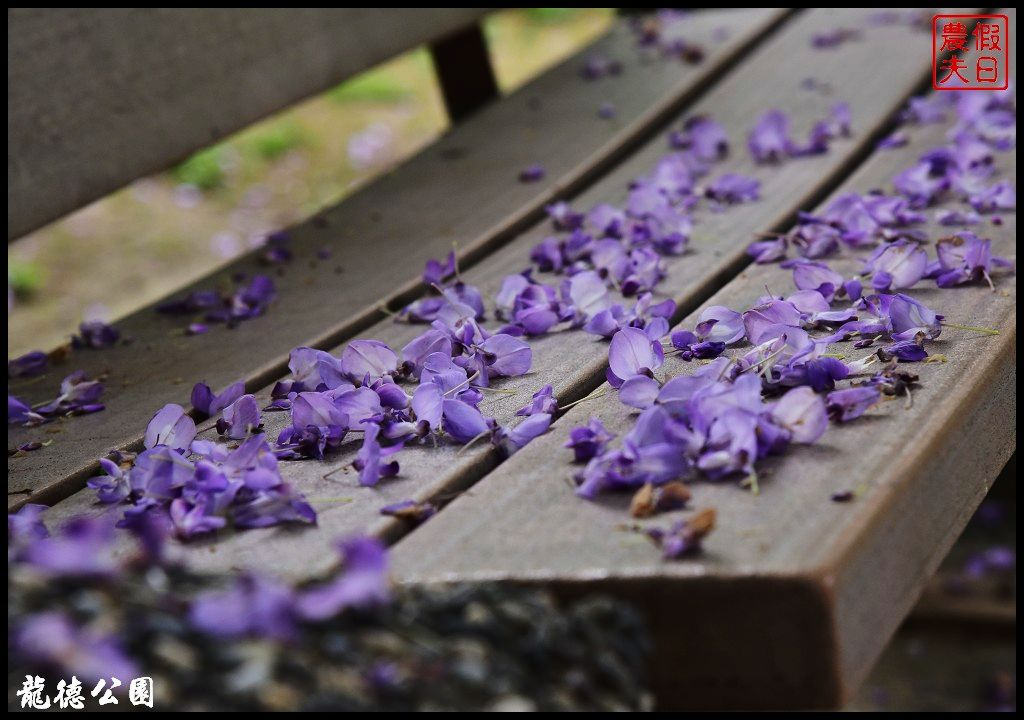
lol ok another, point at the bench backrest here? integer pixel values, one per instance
(98, 99)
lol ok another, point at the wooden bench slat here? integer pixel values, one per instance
(462, 189)
(794, 596)
(574, 362)
(98, 98)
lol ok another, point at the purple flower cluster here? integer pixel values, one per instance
(612, 248)
(53, 638)
(248, 300)
(362, 391)
(256, 606)
(202, 486)
(719, 421)
(95, 334)
(78, 396)
(430, 392)
(770, 142)
(83, 551)
(900, 260)
(664, 32)
(713, 423)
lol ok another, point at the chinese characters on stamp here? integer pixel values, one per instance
(970, 52)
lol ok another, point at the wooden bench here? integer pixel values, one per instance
(794, 596)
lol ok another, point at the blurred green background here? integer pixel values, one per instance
(160, 232)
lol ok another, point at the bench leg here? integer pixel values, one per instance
(464, 71)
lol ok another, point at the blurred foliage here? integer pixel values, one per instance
(551, 15)
(278, 140)
(369, 87)
(203, 169)
(24, 278)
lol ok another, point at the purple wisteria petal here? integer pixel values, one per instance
(633, 353)
(367, 358)
(563, 216)
(209, 403)
(411, 510)
(818, 276)
(193, 520)
(26, 526)
(359, 405)
(253, 606)
(587, 441)
(953, 216)
(441, 370)
(427, 404)
(910, 318)
(851, 403)
(903, 351)
(414, 354)
(19, 412)
(522, 434)
(769, 140)
(639, 391)
(315, 368)
(318, 410)
(170, 426)
(897, 266)
(802, 412)
(506, 356)
(727, 328)
(768, 251)
(543, 401)
(732, 188)
(684, 537)
(362, 582)
(816, 240)
(531, 174)
(51, 638)
(1000, 196)
(78, 396)
(80, 549)
(113, 486)
(241, 418)
(28, 365)
(370, 458)
(589, 294)
(705, 138)
(435, 272)
(768, 320)
(963, 258)
(160, 473)
(95, 334)
(463, 422)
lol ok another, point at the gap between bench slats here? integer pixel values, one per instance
(920, 472)
(574, 362)
(462, 189)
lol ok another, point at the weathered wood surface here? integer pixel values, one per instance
(794, 596)
(98, 98)
(462, 189)
(574, 362)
